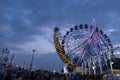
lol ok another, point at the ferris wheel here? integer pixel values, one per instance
(84, 46)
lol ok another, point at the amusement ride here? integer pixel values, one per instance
(85, 47)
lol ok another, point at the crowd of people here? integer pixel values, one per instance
(22, 74)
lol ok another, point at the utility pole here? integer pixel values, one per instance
(32, 59)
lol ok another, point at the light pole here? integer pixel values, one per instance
(32, 59)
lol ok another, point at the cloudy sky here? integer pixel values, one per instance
(28, 24)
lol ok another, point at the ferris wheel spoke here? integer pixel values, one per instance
(76, 47)
(83, 53)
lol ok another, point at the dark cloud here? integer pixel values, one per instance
(25, 18)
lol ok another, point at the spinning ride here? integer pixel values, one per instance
(86, 47)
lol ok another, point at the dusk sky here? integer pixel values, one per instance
(28, 24)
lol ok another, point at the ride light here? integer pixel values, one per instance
(104, 35)
(101, 32)
(109, 41)
(62, 41)
(64, 37)
(71, 29)
(81, 26)
(93, 67)
(76, 27)
(86, 26)
(3, 50)
(110, 44)
(56, 29)
(67, 33)
(112, 63)
(63, 46)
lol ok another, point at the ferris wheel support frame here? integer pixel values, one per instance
(111, 67)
